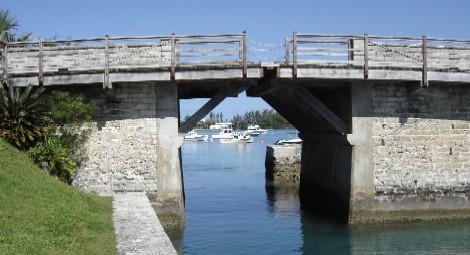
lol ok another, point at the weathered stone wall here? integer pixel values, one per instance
(421, 143)
(283, 164)
(121, 151)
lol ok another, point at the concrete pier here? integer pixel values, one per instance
(282, 164)
(168, 201)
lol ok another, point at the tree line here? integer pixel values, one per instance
(266, 119)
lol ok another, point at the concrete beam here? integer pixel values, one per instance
(263, 89)
(347, 73)
(96, 76)
(309, 100)
(287, 110)
(266, 85)
(208, 107)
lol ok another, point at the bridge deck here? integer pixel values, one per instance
(110, 60)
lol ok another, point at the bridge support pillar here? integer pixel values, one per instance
(362, 163)
(169, 201)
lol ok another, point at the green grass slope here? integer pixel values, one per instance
(41, 215)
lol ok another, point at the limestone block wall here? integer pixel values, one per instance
(283, 164)
(121, 151)
(421, 142)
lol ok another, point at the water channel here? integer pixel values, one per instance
(230, 211)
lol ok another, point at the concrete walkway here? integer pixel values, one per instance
(138, 230)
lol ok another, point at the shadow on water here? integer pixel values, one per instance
(321, 233)
(176, 237)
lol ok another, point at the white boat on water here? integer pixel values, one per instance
(224, 134)
(255, 130)
(193, 136)
(239, 138)
(288, 141)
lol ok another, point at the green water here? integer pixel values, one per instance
(230, 211)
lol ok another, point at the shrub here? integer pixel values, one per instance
(69, 113)
(23, 115)
(54, 157)
(49, 128)
(69, 109)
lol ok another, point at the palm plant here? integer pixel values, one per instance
(23, 116)
(8, 28)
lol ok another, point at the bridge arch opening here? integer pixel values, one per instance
(322, 114)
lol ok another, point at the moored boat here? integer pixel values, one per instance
(193, 136)
(239, 138)
(288, 141)
(225, 133)
(255, 130)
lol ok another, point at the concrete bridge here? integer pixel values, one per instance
(385, 121)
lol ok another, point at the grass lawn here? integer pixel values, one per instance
(41, 215)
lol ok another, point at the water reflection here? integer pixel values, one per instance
(320, 235)
(282, 199)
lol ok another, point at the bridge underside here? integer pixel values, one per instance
(321, 111)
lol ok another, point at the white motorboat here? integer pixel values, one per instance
(289, 141)
(225, 134)
(193, 136)
(255, 130)
(239, 138)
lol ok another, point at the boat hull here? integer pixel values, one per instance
(201, 138)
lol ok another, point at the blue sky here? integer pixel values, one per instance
(268, 22)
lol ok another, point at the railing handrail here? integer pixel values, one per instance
(405, 38)
(423, 42)
(123, 38)
(332, 46)
(177, 43)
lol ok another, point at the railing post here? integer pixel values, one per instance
(366, 56)
(287, 52)
(351, 51)
(245, 64)
(41, 64)
(5, 62)
(294, 54)
(240, 51)
(106, 83)
(424, 81)
(173, 56)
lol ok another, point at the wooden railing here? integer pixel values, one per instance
(369, 52)
(107, 54)
(111, 54)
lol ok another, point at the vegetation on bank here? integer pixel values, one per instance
(267, 119)
(41, 215)
(49, 128)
